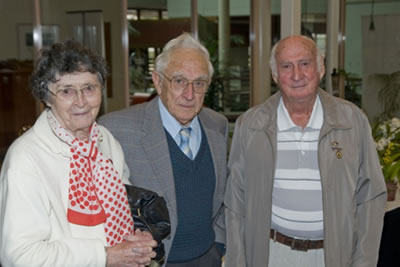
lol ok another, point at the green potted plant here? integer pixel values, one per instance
(387, 137)
(386, 132)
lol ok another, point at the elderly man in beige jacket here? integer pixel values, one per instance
(305, 187)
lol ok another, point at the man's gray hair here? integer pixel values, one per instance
(273, 64)
(184, 40)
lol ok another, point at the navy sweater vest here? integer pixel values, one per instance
(194, 186)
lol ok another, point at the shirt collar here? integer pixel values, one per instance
(286, 123)
(317, 115)
(173, 126)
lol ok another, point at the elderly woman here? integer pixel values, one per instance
(62, 198)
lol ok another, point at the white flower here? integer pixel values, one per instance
(395, 123)
(382, 128)
(393, 129)
(380, 145)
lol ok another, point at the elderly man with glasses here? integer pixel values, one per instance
(177, 148)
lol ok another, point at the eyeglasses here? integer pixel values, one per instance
(181, 83)
(71, 94)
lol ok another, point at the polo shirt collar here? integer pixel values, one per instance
(286, 123)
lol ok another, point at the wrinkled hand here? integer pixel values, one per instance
(135, 251)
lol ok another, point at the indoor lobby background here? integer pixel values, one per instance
(361, 41)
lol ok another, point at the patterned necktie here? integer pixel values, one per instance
(184, 146)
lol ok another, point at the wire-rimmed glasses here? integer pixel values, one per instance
(180, 83)
(70, 93)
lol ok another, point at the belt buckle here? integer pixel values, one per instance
(299, 244)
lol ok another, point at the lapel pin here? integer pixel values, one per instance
(337, 149)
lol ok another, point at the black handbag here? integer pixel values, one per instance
(150, 213)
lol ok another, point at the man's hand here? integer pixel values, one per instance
(135, 251)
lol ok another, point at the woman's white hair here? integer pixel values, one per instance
(184, 40)
(273, 64)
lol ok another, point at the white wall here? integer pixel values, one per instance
(354, 14)
(381, 59)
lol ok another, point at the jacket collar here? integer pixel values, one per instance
(152, 119)
(334, 115)
(44, 132)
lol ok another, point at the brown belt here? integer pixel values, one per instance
(296, 244)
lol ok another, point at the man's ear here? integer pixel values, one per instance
(156, 81)
(322, 72)
(322, 68)
(275, 78)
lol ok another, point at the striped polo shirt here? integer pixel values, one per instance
(297, 194)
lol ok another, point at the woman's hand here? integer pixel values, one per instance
(135, 251)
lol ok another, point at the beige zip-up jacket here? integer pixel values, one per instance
(353, 188)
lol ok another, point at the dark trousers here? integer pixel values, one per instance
(212, 258)
(390, 249)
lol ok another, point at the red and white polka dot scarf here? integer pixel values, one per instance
(96, 192)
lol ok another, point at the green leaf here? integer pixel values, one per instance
(393, 171)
